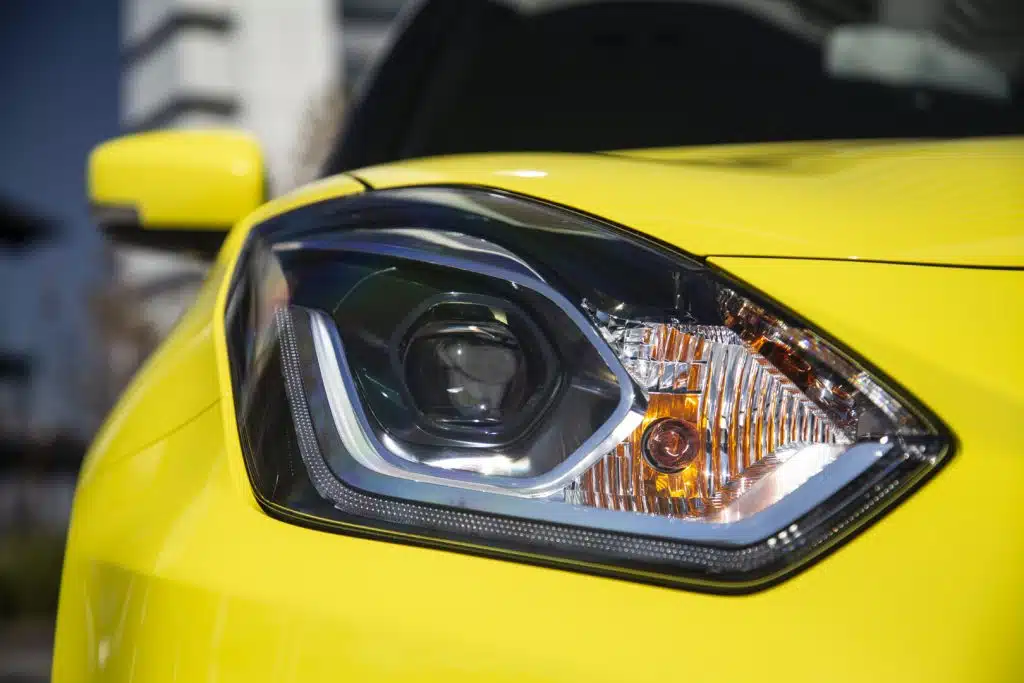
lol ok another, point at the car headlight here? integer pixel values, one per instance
(482, 371)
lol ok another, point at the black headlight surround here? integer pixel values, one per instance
(278, 459)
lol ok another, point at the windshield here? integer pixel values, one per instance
(565, 75)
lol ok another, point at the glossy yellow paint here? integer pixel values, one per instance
(173, 573)
(158, 391)
(180, 179)
(938, 202)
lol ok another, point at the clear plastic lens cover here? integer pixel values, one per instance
(461, 365)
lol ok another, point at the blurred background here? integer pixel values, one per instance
(78, 316)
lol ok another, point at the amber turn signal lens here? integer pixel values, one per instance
(726, 406)
(671, 445)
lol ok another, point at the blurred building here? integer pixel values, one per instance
(257, 65)
(21, 230)
(261, 65)
(20, 227)
(36, 464)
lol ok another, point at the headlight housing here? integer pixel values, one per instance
(490, 373)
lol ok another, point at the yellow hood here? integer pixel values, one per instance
(953, 203)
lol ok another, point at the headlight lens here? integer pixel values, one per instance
(464, 367)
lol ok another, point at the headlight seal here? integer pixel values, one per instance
(347, 472)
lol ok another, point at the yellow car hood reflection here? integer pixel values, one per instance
(953, 203)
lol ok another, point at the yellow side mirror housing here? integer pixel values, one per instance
(175, 189)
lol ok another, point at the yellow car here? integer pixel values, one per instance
(714, 412)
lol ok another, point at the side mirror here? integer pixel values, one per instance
(179, 190)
